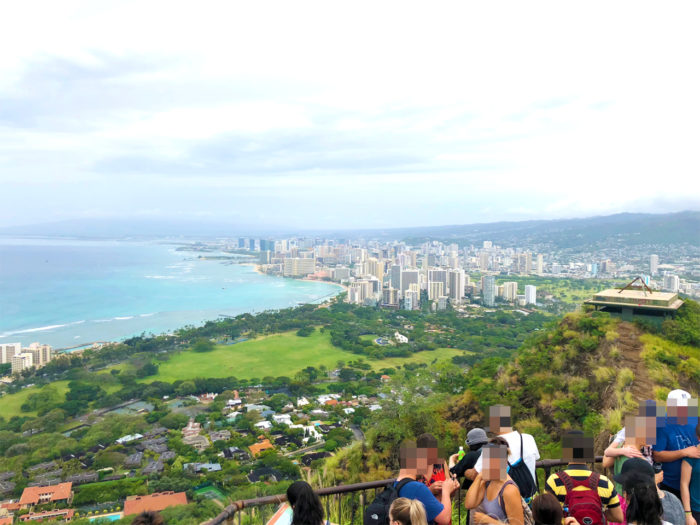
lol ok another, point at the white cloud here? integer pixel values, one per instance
(543, 106)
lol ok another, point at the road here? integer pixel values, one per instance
(357, 433)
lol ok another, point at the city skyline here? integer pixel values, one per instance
(316, 116)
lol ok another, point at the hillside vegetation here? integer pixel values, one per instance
(586, 371)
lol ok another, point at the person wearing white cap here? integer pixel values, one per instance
(676, 439)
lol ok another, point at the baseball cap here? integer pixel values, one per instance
(680, 397)
(635, 467)
(476, 436)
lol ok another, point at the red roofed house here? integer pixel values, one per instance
(62, 514)
(153, 502)
(7, 520)
(331, 402)
(61, 493)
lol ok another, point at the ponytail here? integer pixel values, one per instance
(408, 512)
(644, 506)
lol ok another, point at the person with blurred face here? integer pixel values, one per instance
(676, 439)
(494, 496)
(522, 447)
(417, 461)
(577, 451)
(690, 486)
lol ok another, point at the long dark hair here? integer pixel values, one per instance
(644, 506)
(546, 510)
(306, 504)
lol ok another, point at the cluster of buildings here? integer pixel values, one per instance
(35, 355)
(60, 498)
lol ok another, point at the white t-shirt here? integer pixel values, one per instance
(620, 436)
(530, 452)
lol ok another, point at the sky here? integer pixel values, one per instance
(347, 114)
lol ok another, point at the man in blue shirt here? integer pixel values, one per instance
(676, 439)
(417, 459)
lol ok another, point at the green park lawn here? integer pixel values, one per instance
(10, 404)
(274, 355)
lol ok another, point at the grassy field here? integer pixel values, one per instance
(10, 405)
(275, 355)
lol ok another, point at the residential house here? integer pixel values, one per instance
(265, 474)
(282, 419)
(220, 435)
(196, 441)
(134, 460)
(167, 455)
(203, 467)
(263, 425)
(83, 477)
(261, 446)
(128, 439)
(236, 453)
(62, 493)
(59, 514)
(154, 467)
(308, 458)
(153, 502)
(302, 402)
(192, 429)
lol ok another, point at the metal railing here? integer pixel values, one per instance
(332, 498)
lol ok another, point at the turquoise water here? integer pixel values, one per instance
(106, 517)
(70, 292)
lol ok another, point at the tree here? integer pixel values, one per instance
(203, 345)
(186, 388)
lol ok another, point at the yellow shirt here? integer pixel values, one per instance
(606, 490)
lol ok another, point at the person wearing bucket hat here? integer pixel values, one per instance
(676, 438)
(464, 468)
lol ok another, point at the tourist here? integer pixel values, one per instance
(546, 510)
(494, 497)
(306, 505)
(690, 486)
(404, 511)
(639, 467)
(676, 439)
(464, 468)
(577, 450)
(148, 518)
(417, 460)
(643, 503)
(522, 447)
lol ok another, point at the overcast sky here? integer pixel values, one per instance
(339, 114)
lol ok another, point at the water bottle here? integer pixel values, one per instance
(461, 453)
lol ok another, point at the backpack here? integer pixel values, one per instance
(377, 513)
(584, 505)
(528, 518)
(520, 473)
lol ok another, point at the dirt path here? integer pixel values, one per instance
(631, 347)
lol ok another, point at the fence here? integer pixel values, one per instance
(343, 504)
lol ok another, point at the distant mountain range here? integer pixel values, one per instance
(623, 229)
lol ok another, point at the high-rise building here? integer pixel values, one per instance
(438, 275)
(241, 242)
(539, 267)
(435, 289)
(8, 351)
(298, 266)
(488, 290)
(653, 264)
(21, 362)
(41, 354)
(530, 294)
(671, 283)
(390, 297)
(409, 277)
(456, 284)
(361, 291)
(525, 263)
(484, 257)
(411, 299)
(375, 267)
(510, 290)
(488, 245)
(395, 279)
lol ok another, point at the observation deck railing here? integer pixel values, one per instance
(338, 511)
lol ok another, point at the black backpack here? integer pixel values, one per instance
(377, 513)
(520, 473)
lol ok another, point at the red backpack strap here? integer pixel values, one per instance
(593, 481)
(566, 480)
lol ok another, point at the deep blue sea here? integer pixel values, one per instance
(69, 292)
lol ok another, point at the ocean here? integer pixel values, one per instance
(72, 292)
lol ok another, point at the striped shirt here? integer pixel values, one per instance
(606, 490)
